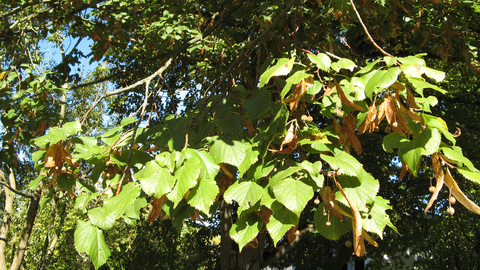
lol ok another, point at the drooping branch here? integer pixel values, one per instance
(366, 31)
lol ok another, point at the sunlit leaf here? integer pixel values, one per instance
(90, 239)
(294, 194)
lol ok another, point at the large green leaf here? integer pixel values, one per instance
(155, 180)
(343, 63)
(90, 239)
(361, 189)
(229, 149)
(257, 104)
(426, 143)
(376, 218)
(116, 205)
(101, 219)
(246, 229)
(246, 193)
(343, 162)
(209, 168)
(322, 60)
(133, 209)
(280, 221)
(337, 227)
(203, 195)
(294, 194)
(186, 176)
(250, 158)
(281, 68)
(380, 80)
(470, 175)
(232, 124)
(455, 153)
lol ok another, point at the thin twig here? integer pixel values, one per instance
(174, 55)
(127, 166)
(366, 31)
(16, 191)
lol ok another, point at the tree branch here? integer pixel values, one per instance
(174, 55)
(366, 31)
(27, 229)
(8, 208)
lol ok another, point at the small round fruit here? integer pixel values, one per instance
(304, 118)
(309, 119)
(395, 124)
(316, 201)
(348, 243)
(452, 200)
(328, 223)
(431, 189)
(450, 211)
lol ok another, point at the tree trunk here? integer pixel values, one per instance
(251, 258)
(9, 196)
(27, 230)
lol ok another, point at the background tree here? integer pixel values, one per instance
(279, 103)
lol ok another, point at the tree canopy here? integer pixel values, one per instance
(270, 122)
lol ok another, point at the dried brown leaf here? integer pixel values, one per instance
(439, 176)
(345, 99)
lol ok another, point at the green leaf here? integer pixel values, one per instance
(394, 140)
(294, 194)
(55, 135)
(71, 128)
(232, 125)
(257, 104)
(282, 173)
(209, 168)
(90, 239)
(66, 181)
(420, 84)
(434, 74)
(280, 221)
(228, 149)
(361, 189)
(250, 158)
(470, 175)
(294, 79)
(380, 80)
(128, 120)
(246, 229)
(322, 61)
(344, 163)
(101, 219)
(155, 180)
(455, 153)
(82, 201)
(343, 63)
(337, 227)
(116, 205)
(426, 143)
(244, 193)
(203, 195)
(438, 123)
(133, 209)
(187, 176)
(282, 68)
(376, 217)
